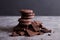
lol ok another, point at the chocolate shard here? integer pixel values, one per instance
(14, 34)
(21, 33)
(45, 30)
(36, 26)
(31, 33)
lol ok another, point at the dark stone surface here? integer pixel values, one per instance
(50, 22)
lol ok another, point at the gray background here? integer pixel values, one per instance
(40, 7)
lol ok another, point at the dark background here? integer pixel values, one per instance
(40, 7)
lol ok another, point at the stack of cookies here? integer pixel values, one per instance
(27, 27)
(26, 16)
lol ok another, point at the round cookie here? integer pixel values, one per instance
(27, 17)
(26, 11)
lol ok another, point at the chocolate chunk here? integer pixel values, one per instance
(21, 33)
(35, 26)
(49, 34)
(31, 33)
(44, 30)
(14, 34)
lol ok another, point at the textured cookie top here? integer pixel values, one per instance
(26, 11)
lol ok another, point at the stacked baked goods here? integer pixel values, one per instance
(26, 16)
(27, 27)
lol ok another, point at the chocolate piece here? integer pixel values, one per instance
(44, 30)
(35, 26)
(14, 34)
(31, 33)
(49, 34)
(21, 33)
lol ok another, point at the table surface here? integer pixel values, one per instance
(50, 22)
